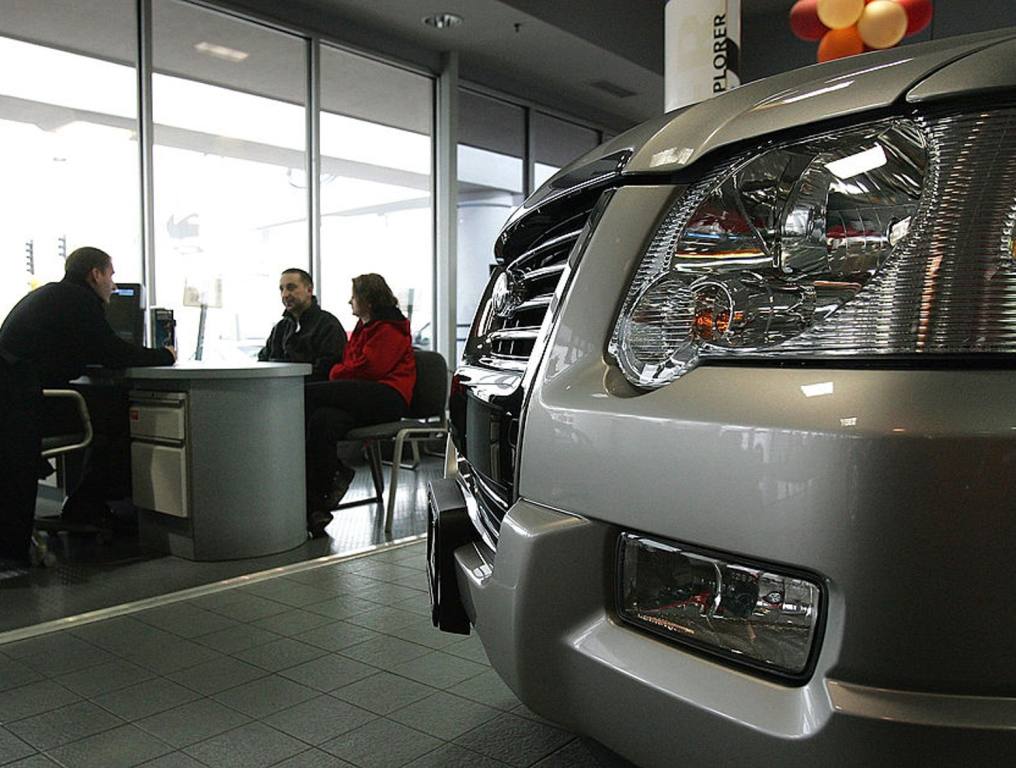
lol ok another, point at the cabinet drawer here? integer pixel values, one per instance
(159, 478)
(165, 422)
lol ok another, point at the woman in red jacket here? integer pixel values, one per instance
(373, 384)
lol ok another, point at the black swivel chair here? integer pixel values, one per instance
(427, 420)
(56, 445)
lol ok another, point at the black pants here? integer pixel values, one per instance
(20, 445)
(103, 471)
(25, 416)
(106, 469)
(335, 407)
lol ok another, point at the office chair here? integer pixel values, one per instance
(56, 445)
(427, 420)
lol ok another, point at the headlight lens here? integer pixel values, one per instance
(770, 246)
(750, 614)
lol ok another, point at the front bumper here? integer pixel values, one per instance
(544, 613)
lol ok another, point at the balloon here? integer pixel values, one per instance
(918, 15)
(804, 21)
(882, 24)
(837, 43)
(838, 14)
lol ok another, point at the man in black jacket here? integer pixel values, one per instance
(46, 340)
(306, 333)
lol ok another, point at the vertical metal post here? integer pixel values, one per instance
(529, 161)
(445, 206)
(145, 142)
(313, 161)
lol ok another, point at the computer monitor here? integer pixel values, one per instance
(126, 312)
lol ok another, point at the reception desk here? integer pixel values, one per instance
(217, 458)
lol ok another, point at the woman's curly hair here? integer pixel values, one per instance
(372, 290)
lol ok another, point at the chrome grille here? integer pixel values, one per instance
(513, 319)
(517, 303)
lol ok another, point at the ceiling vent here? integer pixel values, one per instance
(613, 89)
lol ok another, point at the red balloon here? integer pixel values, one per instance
(918, 15)
(804, 20)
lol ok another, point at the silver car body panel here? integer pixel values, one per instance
(740, 459)
(983, 71)
(547, 633)
(892, 474)
(891, 486)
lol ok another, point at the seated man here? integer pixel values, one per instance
(306, 333)
(46, 340)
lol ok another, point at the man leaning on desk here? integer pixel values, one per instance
(46, 340)
(306, 333)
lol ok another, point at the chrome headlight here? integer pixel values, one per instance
(769, 246)
(873, 240)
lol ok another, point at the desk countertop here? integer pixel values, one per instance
(191, 369)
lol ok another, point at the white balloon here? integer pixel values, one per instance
(882, 24)
(837, 14)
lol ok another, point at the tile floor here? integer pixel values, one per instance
(331, 666)
(93, 576)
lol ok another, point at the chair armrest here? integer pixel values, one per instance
(85, 437)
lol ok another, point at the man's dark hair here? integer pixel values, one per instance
(372, 290)
(304, 275)
(84, 260)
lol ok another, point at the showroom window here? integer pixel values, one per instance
(231, 200)
(490, 179)
(376, 199)
(229, 175)
(68, 140)
(556, 143)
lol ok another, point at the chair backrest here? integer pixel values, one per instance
(54, 445)
(430, 393)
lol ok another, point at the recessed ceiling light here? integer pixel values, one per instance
(443, 20)
(221, 51)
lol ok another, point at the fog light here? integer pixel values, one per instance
(745, 612)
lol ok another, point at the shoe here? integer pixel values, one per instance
(39, 554)
(317, 521)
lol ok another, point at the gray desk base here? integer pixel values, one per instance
(245, 454)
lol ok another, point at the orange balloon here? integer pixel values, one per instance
(837, 43)
(838, 14)
(882, 24)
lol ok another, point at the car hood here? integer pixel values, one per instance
(919, 72)
(670, 143)
(810, 94)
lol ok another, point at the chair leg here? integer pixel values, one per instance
(376, 472)
(415, 464)
(393, 481)
(373, 450)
